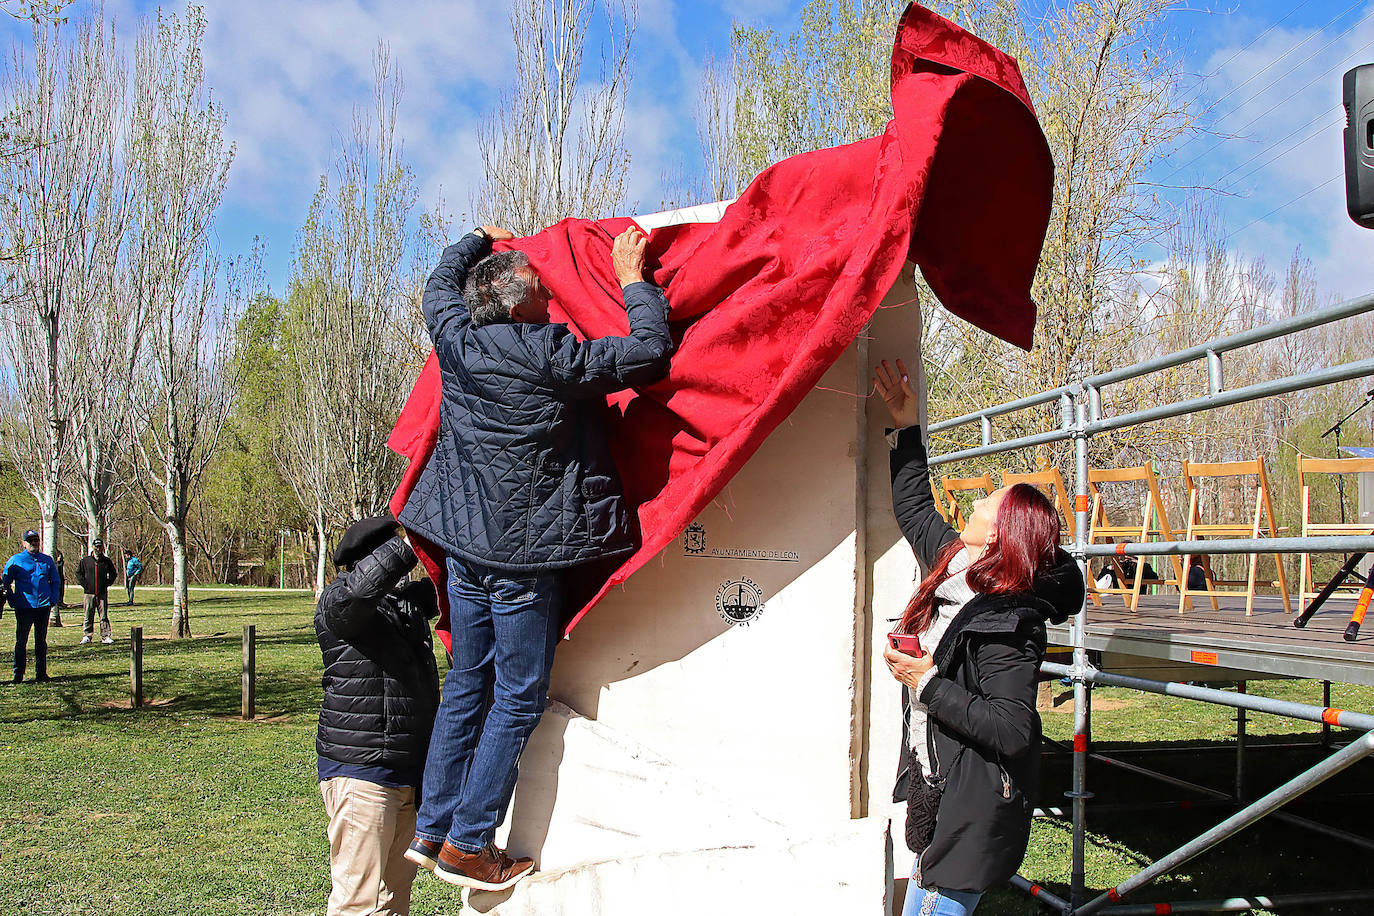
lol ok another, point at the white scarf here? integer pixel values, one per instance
(950, 598)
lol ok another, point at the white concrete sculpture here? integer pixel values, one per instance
(723, 733)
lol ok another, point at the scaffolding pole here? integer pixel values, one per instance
(1336, 763)
(1215, 796)
(1040, 893)
(1342, 718)
(1240, 904)
(1082, 696)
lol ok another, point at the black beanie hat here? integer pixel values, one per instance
(363, 537)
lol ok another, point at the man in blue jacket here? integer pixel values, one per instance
(133, 571)
(30, 587)
(520, 488)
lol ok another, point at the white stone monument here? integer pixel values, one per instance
(722, 734)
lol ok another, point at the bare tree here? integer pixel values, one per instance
(37, 11)
(60, 224)
(180, 164)
(349, 324)
(105, 367)
(106, 349)
(555, 148)
(825, 84)
(717, 94)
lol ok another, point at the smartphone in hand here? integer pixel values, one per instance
(907, 644)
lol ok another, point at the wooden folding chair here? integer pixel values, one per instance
(952, 486)
(1153, 525)
(1262, 524)
(1307, 585)
(1051, 483)
(939, 500)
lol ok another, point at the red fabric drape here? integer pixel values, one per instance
(764, 301)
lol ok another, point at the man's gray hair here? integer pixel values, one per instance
(496, 286)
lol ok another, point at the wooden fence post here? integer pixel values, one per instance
(135, 667)
(250, 676)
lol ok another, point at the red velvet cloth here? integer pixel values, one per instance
(764, 301)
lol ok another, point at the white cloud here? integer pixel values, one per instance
(650, 129)
(1276, 108)
(749, 11)
(1344, 265)
(291, 74)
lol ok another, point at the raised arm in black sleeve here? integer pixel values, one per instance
(350, 601)
(443, 304)
(913, 502)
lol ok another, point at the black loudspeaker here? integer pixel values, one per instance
(1359, 144)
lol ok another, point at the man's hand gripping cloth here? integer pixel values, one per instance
(766, 299)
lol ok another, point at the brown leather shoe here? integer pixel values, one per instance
(487, 870)
(424, 853)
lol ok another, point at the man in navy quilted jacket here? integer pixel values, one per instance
(520, 488)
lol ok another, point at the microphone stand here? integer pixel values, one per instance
(1351, 560)
(1336, 429)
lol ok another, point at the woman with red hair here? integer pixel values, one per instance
(980, 614)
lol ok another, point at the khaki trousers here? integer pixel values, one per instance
(370, 827)
(97, 606)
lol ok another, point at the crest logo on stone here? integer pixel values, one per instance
(694, 538)
(739, 601)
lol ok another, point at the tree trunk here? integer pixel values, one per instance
(48, 507)
(323, 544)
(181, 613)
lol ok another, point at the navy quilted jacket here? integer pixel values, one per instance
(521, 477)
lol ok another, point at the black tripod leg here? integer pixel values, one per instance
(1336, 582)
(1352, 629)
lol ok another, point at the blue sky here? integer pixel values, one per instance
(1267, 76)
(289, 73)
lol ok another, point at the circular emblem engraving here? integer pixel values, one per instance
(694, 538)
(739, 601)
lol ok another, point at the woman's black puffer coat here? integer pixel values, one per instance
(381, 685)
(983, 729)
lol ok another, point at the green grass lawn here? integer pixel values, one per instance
(181, 808)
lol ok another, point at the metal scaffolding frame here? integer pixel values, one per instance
(1082, 417)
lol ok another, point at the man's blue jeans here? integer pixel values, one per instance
(505, 628)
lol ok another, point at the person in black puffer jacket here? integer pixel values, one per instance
(969, 774)
(381, 691)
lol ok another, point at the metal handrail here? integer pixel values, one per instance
(1211, 401)
(1348, 309)
(1344, 543)
(1287, 385)
(1035, 400)
(1217, 396)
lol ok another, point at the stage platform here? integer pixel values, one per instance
(1206, 645)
